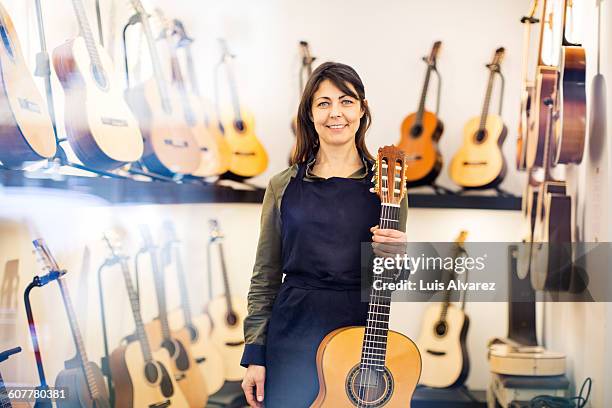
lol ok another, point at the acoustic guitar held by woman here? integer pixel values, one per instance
(479, 163)
(372, 366)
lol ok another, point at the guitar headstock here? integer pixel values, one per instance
(433, 55)
(215, 230)
(113, 243)
(139, 8)
(390, 175)
(44, 256)
(226, 55)
(460, 240)
(178, 28)
(147, 238)
(170, 231)
(495, 64)
(307, 58)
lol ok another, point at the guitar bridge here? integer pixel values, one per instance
(164, 404)
(436, 353)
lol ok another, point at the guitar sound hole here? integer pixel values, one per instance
(178, 353)
(480, 136)
(151, 373)
(441, 329)
(99, 77)
(369, 387)
(239, 125)
(166, 386)
(416, 130)
(232, 319)
(193, 333)
(6, 41)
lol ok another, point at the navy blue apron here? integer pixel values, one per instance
(323, 225)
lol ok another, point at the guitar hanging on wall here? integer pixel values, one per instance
(372, 366)
(479, 163)
(443, 339)
(249, 158)
(304, 75)
(143, 377)
(27, 132)
(170, 147)
(420, 133)
(80, 376)
(214, 149)
(100, 126)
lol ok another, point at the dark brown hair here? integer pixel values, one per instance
(340, 75)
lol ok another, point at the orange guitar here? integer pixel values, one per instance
(372, 366)
(101, 129)
(214, 149)
(170, 146)
(479, 163)
(26, 133)
(249, 158)
(527, 94)
(420, 134)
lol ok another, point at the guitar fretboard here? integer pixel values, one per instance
(487, 101)
(85, 28)
(377, 327)
(421, 109)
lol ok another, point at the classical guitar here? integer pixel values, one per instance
(545, 84)
(170, 145)
(142, 376)
(527, 92)
(26, 133)
(100, 126)
(570, 129)
(420, 133)
(304, 74)
(206, 354)
(227, 314)
(372, 366)
(479, 163)
(551, 253)
(80, 376)
(249, 158)
(185, 369)
(442, 341)
(529, 204)
(215, 151)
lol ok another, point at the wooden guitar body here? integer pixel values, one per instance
(420, 143)
(214, 150)
(138, 384)
(529, 209)
(169, 145)
(546, 81)
(338, 359)
(443, 347)
(248, 156)
(186, 371)
(228, 338)
(73, 378)
(571, 125)
(480, 164)
(206, 355)
(551, 258)
(26, 131)
(100, 126)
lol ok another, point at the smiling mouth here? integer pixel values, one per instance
(337, 126)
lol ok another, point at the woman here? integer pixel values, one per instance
(314, 218)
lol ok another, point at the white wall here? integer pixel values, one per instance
(384, 42)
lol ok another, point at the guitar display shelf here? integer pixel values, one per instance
(127, 191)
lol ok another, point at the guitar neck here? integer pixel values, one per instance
(226, 285)
(374, 347)
(182, 280)
(160, 290)
(78, 339)
(193, 77)
(155, 62)
(421, 110)
(487, 101)
(145, 346)
(86, 32)
(232, 87)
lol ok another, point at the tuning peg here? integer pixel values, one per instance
(372, 190)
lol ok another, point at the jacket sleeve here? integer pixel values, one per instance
(265, 282)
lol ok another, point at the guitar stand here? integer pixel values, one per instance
(439, 190)
(500, 192)
(38, 282)
(105, 362)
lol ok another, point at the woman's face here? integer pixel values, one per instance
(335, 115)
